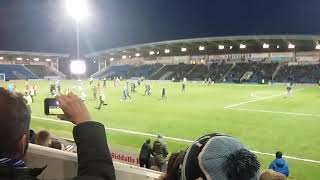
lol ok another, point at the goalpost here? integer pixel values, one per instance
(2, 77)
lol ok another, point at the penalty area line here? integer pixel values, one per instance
(175, 139)
(276, 112)
(259, 99)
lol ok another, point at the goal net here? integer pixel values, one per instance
(2, 77)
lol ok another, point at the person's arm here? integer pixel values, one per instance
(94, 159)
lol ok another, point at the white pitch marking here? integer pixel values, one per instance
(259, 99)
(276, 112)
(176, 139)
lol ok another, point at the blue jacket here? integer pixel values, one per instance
(280, 166)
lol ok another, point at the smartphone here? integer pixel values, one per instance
(51, 107)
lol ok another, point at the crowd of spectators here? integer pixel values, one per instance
(299, 74)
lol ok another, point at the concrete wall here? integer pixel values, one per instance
(63, 165)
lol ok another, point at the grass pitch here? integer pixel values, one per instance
(261, 116)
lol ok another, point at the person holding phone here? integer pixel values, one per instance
(94, 159)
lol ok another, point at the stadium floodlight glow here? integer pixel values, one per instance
(183, 49)
(124, 57)
(1, 58)
(231, 47)
(243, 46)
(151, 52)
(201, 48)
(221, 47)
(138, 54)
(291, 46)
(36, 59)
(78, 9)
(265, 46)
(112, 59)
(48, 60)
(78, 67)
(318, 46)
(19, 59)
(167, 51)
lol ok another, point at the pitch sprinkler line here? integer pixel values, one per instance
(175, 139)
(259, 99)
(276, 112)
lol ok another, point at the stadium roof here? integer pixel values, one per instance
(210, 45)
(33, 54)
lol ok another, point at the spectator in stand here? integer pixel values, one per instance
(145, 152)
(93, 156)
(280, 165)
(43, 138)
(272, 175)
(160, 152)
(214, 156)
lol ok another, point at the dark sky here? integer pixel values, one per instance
(44, 25)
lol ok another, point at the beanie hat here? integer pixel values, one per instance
(219, 157)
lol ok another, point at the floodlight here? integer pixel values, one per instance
(278, 46)
(201, 48)
(78, 67)
(183, 49)
(111, 59)
(1, 58)
(78, 9)
(265, 46)
(48, 60)
(36, 59)
(151, 52)
(167, 51)
(243, 46)
(19, 59)
(124, 57)
(291, 46)
(231, 47)
(138, 54)
(221, 47)
(318, 46)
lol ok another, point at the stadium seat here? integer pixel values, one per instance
(14, 72)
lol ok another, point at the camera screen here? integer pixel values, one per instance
(54, 107)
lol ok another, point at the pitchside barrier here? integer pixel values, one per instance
(63, 165)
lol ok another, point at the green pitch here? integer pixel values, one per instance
(259, 115)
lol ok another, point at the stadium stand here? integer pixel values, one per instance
(164, 73)
(144, 70)
(217, 71)
(14, 72)
(251, 72)
(63, 165)
(41, 70)
(114, 71)
(198, 73)
(181, 71)
(299, 73)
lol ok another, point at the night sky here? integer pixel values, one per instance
(45, 26)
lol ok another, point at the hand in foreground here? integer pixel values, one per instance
(73, 108)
